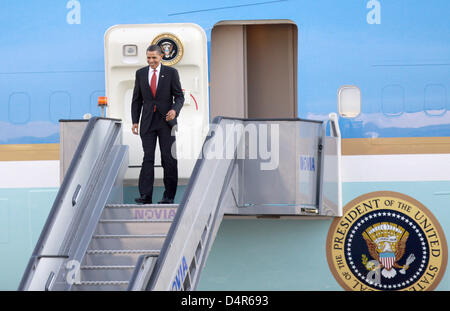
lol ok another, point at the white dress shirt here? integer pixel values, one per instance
(150, 74)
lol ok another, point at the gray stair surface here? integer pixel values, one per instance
(124, 233)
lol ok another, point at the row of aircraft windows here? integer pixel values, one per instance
(60, 106)
(393, 103)
(393, 100)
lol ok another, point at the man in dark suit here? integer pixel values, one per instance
(158, 95)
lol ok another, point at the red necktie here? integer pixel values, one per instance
(153, 83)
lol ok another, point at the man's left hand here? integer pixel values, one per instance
(171, 115)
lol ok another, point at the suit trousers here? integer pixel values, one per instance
(160, 129)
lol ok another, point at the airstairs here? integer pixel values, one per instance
(123, 234)
(92, 241)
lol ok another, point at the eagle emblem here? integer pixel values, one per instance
(386, 243)
(171, 47)
(167, 48)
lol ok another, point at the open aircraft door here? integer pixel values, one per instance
(184, 45)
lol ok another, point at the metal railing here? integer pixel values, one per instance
(97, 162)
(235, 185)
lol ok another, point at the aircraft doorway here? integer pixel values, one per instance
(254, 69)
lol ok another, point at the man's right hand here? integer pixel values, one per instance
(134, 128)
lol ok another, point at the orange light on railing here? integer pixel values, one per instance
(102, 101)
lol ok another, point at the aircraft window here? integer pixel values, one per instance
(349, 101)
(435, 99)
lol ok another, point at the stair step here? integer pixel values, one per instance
(131, 236)
(105, 267)
(149, 212)
(104, 283)
(101, 257)
(122, 251)
(101, 273)
(142, 205)
(132, 241)
(101, 286)
(134, 220)
(132, 226)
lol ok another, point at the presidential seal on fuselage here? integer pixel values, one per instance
(386, 241)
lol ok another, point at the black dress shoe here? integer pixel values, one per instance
(166, 201)
(145, 199)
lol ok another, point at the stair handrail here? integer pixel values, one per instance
(60, 251)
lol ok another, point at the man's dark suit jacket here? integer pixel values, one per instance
(169, 95)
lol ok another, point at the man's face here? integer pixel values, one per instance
(153, 58)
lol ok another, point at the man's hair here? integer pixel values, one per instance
(153, 48)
